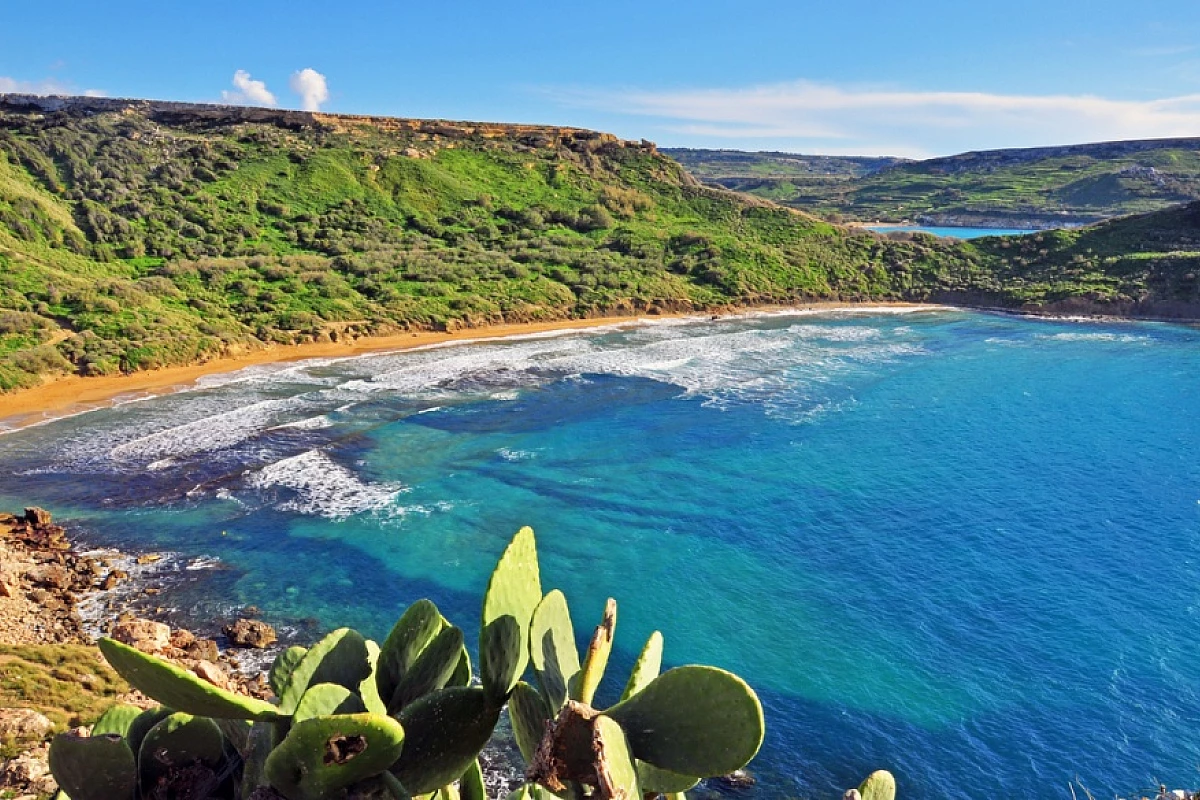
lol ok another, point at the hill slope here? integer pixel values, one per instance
(137, 234)
(1030, 187)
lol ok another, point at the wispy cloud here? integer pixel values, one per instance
(46, 86)
(312, 88)
(248, 91)
(829, 118)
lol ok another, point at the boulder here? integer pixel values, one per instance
(202, 650)
(206, 670)
(738, 779)
(182, 639)
(249, 633)
(23, 723)
(37, 517)
(144, 634)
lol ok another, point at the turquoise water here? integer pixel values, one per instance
(960, 546)
(955, 232)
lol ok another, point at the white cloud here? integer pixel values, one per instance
(311, 86)
(810, 116)
(47, 86)
(249, 91)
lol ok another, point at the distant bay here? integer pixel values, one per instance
(957, 545)
(951, 232)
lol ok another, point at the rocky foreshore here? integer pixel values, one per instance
(54, 598)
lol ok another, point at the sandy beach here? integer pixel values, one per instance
(71, 394)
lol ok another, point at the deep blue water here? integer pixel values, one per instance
(960, 546)
(955, 232)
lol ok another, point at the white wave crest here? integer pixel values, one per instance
(509, 454)
(323, 487)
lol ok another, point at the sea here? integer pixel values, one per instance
(951, 232)
(960, 546)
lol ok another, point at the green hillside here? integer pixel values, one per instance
(1032, 187)
(135, 235)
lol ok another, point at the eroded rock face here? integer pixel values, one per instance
(37, 517)
(145, 635)
(249, 633)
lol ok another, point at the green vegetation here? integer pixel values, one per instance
(69, 683)
(137, 239)
(136, 235)
(1035, 187)
(403, 719)
(1151, 259)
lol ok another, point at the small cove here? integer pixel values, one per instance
(956, 545)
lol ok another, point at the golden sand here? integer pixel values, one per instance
(71, 394)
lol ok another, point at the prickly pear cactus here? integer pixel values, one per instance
(181, 740)
(594, 664)
(513, 593)
(879, 785)
(178, 689)
(694, 721)
(93, 767)
(445, 731)
(552, 649)
(646, 668)
(341, 657)
(321, 756)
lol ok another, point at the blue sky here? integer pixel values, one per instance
(915, 79)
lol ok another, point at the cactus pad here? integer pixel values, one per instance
(444, 733)
(597, 656)
(694, 720)
(341, 658)
(93, 767)
(325, 699)
(411, 634)
(661, 781)
(552, 648)
(529, 714)
(470, 785)
(323, 755)
(879, 785)
(616, 773)
(431, 670)
(281, 670)
(647, 666)
(513, 593)
(180, 740)
(118, 719)
(368, 688)
(178, 689)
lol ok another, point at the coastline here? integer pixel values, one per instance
(73, 394)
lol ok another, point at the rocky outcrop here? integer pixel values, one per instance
(167, 112)
(249, 633)
(145, 635)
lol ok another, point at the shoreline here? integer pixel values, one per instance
(70, 395)
(74, 394)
